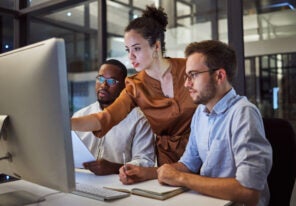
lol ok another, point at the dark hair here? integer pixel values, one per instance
(151, 25)
(118, 64)
(217, 55)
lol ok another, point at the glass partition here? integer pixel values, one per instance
(187, 21)
(8, 4)
(6, 33)
(270, 49)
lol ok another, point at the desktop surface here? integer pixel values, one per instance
(56, 198)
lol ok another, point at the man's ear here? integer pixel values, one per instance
(221, 74)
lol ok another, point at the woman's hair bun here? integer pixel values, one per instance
(157, 14)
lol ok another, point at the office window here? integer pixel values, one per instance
(36, 2)
(77, 23)
(270, 48)
(265, 20)
(187, 21)
(77, 27)
(74, 15)
(271, 85)
(142, 4)
(6, 33)
(8, 4)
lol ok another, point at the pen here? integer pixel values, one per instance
(124, 163)
(101, 152)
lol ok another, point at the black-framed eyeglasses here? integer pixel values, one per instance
(192, 75)
(110, 81)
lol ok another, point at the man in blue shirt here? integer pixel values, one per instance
(227, 155)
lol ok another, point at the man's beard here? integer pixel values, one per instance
(108, 102)
(207, 93)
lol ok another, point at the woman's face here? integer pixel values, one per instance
(139, 51)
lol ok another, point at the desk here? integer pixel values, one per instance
(65, 199)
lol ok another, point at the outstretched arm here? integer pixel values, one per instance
(86, 123)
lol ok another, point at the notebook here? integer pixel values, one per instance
(151, 188)
(81, 153)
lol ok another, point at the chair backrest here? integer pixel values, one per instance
(293, 196)
(281, 179)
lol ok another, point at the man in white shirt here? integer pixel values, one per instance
(132, 137)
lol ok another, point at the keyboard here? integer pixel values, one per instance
(97, 193)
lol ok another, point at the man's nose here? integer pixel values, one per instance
(187, 83)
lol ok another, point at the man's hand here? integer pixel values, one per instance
(102, 167)
(167, 174)
(131, 174)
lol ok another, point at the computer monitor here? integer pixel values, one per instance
(35, 141)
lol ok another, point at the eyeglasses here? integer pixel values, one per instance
(192, 75)
(110, 81)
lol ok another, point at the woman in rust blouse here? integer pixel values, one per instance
(158, 89)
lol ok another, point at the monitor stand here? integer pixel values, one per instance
(15, 198)
(20, 197)
(3, 122)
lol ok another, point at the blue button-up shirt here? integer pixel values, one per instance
(230, 141)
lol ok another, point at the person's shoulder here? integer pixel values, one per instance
(135, 79)
(177, 60)
(177, 64)
(242, 101)
(243, 105)
(135, 116)
(136, 76)
(92, 108)
(136, 113)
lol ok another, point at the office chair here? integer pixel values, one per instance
(281, 179)
(293, 196)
